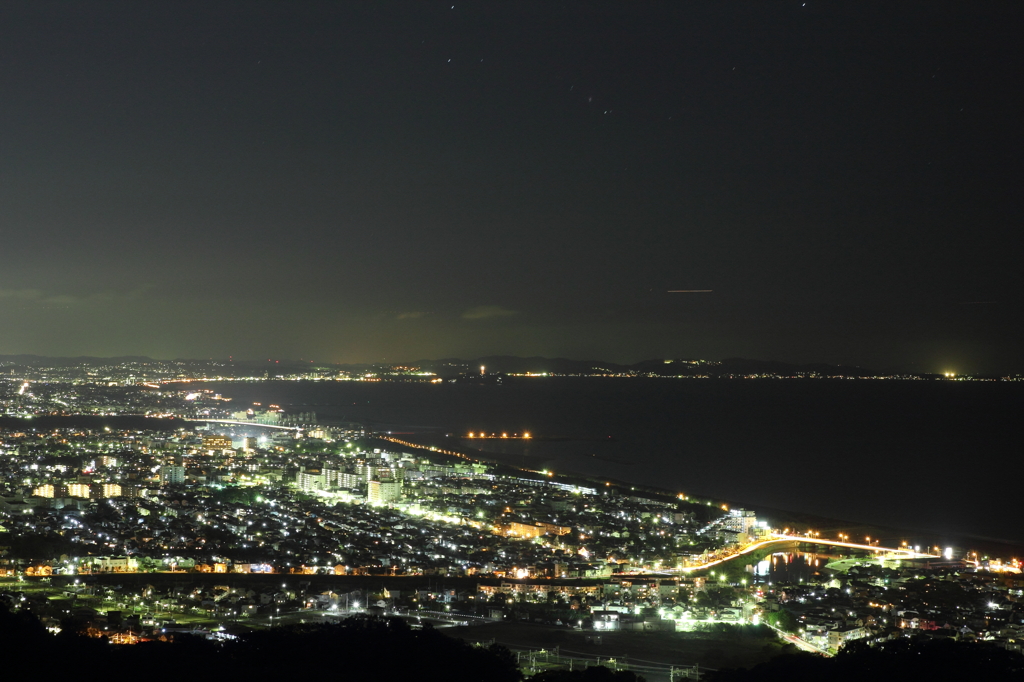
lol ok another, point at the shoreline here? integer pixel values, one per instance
(985, 546)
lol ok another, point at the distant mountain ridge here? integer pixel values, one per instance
(508, 364)
(493, 364)
(30, 360)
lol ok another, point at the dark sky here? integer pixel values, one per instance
(357, 181)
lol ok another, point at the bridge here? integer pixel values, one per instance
(245, 423)
(902, 552)
(896, 552)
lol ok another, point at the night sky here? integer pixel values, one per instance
(352, 181)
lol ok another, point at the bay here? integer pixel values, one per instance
(939, 456)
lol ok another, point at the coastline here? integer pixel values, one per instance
(887, 535)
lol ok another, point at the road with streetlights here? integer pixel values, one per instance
(776, 538)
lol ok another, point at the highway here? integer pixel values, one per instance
(905, 553)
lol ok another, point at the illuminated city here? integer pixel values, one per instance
(475, 341)
(357, 522)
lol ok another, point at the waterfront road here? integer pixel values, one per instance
(777, 538)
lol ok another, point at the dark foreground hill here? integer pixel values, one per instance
(365, 648)
(355, 649)
(902, 659)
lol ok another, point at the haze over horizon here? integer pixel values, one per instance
(834, 183)
(503, 364)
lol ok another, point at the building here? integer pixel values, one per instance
(47, 490)
(110, 490)
(79, 490)
(171, 475)
(606, 620)
(741, 521)
(308, 482)
(383, 492)
(130, 492)
(110, 564)
(530, 530)
(350, 481)
(838, 638)
(215, 443)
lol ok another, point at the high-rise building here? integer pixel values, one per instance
(171, 475)
(383, 492)
(350, 481)
(307, 482)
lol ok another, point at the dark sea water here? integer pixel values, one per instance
(939, 456)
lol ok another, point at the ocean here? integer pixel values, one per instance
(937, 456)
